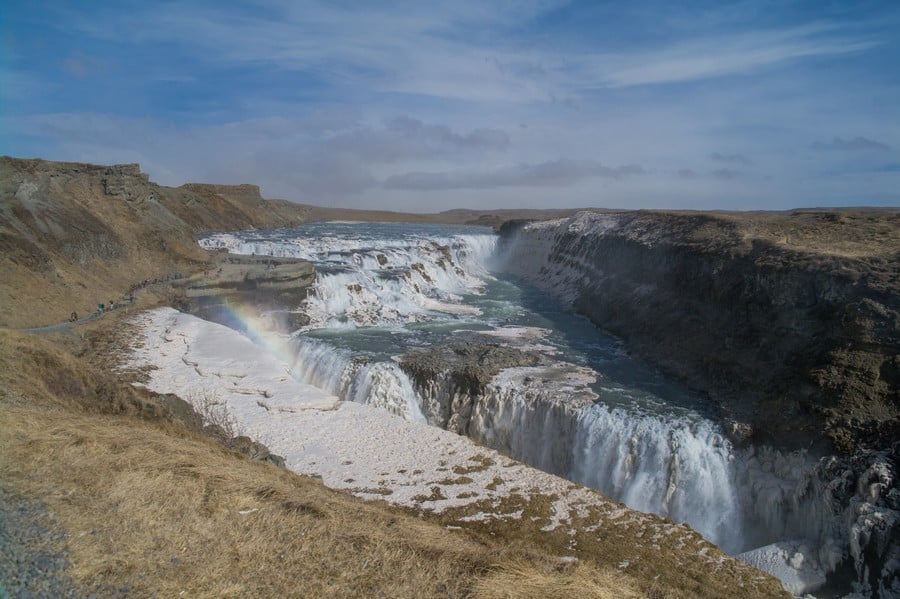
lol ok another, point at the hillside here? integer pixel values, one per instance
(136, 498)
(76, 235)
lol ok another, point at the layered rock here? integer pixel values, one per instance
(452, 379)
(74, 235)
(792, 314)
(789, 322)
(263, 280)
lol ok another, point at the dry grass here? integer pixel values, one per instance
(153, 509)
(517, 580)
(158, 512)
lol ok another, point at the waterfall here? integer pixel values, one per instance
(673, 467)
(379, 288)
(380, 384)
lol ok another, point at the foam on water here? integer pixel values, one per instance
(367, 278)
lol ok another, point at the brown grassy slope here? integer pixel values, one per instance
(75, 235)
(487, 218)
(150, 505)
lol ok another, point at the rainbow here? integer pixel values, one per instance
(260, 329)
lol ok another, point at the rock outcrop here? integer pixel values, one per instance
(266, 282)
(789, 322)
(795, 314)
(452, 379)
(74, 235)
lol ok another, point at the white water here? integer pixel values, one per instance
(364, 281)
(674, 467)
(634, 439)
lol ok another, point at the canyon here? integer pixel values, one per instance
(774, 335)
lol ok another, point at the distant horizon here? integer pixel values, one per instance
(457, 209)
(734, 106)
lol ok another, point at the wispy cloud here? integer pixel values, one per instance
(530, 101)
(730, 158)
(718, 56)
(726, 173)
(557, 172)
(81, 65)
(857, 143)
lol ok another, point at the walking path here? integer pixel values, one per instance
(126, 302)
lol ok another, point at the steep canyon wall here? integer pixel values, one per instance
(792, 314)
(789, 323)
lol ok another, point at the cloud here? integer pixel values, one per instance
(730, 158)
(718, 56)
(551, 173)
(857, 143)
(726, 173)
(405, 138)
(327, 155)
(441, 135)
(462, 51)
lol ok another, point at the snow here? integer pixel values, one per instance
(366, 450)
(357, 447)
(792, 562)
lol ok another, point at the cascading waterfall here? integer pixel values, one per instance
(674, 467)
(383, 290)
(380, 384)
(322, 366)
(366, 281)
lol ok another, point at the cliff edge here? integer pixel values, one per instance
(792, 314)
(75, 235)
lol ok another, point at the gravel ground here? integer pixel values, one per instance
(32, 560)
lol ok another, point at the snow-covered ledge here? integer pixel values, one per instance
(377, 455)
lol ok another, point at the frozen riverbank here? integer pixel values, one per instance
(376, 455)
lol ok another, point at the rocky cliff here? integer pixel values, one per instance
(74, 235)
(792, 314)
(788, 322)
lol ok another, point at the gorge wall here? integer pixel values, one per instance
(795, 314)
(789, 323)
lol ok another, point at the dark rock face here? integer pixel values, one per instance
(800, 345)
(790, 322)
(452, 379)
(261, 281)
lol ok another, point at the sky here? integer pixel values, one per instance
(428, 106)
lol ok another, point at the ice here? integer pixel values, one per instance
(358, 447)
(791, 562)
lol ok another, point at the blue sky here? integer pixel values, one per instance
(469, 104)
